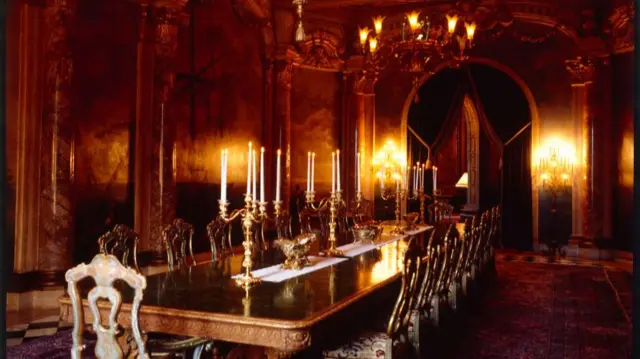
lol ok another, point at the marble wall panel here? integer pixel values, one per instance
(221, 107)
(104, 50)
(624, 134)
(315, 126)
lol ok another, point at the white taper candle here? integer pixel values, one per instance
(261, 174)
(254, 192)
(338, 170)
(278, 176)
(249, 171)
(313, 171)
(308, 171)
(358, 173)
(222, 199)
(333, 172)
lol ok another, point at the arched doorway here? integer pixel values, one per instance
(477, 120)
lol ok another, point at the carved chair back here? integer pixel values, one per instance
(362, 212)
(462, 250)
(111, 342)
(121, 242)
(400, 316)
(470, 237)
(496, 226)
(283, 225)
(440, 212)
(451, 249)
(176, 237)
(429, 277)
(322, 213)
(216, 232)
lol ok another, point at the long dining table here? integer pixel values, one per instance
(280, 313)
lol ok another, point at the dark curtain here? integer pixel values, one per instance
(517, 226)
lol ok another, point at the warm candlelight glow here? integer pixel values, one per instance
(377, 24)
(471, 30)
(364, 34)
(390, 162)
(412, 19)
(452, 22)
(373, 44)
(554, 164)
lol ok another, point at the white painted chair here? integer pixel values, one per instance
(112, 343)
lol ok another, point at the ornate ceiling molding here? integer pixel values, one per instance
(581, 70)
(320, 51)
(621, 27)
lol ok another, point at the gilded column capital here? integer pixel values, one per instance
(284, 74)
(581, 70)
(166, 23)
(365, 83)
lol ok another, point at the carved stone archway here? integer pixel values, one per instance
(533, 108)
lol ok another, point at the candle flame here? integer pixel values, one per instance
(452, 21)
(377, 24)
(363, 33)
(278, 152)
(471, 30)
(262, 149)
(373, 45)
(412, 18)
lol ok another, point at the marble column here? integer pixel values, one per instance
(581, 70)
(270, 137)
(55, 247)
(282, 122)
(602, 156)
(162, 208)
(347, 142)
(364, 107)
(27, 108)
(143, 141)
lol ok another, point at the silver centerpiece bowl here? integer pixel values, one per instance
(367, 232)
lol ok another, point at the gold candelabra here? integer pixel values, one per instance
(421, 196)
(556, 171)
(398, 195)
(333, 202)
(254, 213)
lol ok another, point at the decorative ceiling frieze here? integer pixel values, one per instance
(620, 27)
(320, 50)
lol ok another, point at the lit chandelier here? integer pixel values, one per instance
(418, 42)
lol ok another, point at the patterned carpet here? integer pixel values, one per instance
(551, 312)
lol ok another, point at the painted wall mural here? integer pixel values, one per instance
(315, 120)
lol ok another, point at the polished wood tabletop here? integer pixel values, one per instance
(204, 301)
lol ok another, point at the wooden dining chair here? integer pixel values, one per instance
(394, 342)
(121, 242)
(423, 318)
(112, 342)
(177, 237)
